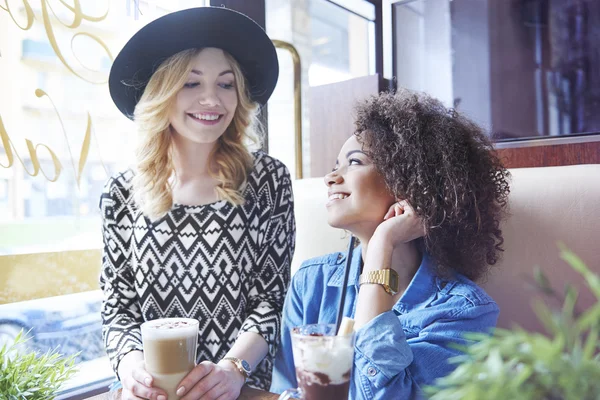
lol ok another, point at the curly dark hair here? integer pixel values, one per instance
(444, 165)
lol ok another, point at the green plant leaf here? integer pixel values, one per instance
(592, 280)
(570, 301)
(541, 280)
(515, 364)
(589, 318)
(26, 375)
(545, 316)
(591, 344)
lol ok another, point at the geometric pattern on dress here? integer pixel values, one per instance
(226, 266)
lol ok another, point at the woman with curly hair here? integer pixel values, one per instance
(422, 189)
(201, 227)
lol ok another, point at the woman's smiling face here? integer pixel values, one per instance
(205, 106)
(358, 195)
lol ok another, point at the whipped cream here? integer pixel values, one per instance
(318, 355)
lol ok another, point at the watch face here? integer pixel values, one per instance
(394, 282)
(246, 366)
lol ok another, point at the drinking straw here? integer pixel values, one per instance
(344, 284)
(346, 327)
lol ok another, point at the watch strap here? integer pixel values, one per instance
(388, 278)
(239, 364)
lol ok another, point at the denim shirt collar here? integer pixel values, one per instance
(422, 285)
(418, 291)
(337, 278)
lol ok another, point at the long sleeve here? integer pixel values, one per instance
(121, 315)
(386, 361)
(267, 293)
(284, 374)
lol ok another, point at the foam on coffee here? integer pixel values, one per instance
(170, 327)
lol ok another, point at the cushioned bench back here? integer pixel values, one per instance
(547, 205)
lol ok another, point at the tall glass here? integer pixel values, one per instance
(323, 363)
(169, 351)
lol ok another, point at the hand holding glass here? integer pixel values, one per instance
(170, 351)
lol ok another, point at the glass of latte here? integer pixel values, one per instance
(169, 351)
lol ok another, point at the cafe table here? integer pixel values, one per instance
(248, 393)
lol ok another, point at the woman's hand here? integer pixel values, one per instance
(210, 381)
(400, 225)
(137, 382)
(391, 247)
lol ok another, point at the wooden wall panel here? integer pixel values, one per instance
(331, 116)
(552, 155)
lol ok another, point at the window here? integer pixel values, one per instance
(335, 41)
(61, 138)
(522, 68)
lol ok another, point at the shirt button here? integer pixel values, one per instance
(371, 371)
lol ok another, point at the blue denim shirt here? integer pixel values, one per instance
(399, 351)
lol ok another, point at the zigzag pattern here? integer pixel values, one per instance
(227, 266)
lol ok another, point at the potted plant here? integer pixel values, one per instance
(31, 376)
(515, 364)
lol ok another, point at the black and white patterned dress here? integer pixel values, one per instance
(227, 266)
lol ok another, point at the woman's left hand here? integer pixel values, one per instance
(210, 381)
(401, 225)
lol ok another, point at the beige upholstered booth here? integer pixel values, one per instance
(547, 205)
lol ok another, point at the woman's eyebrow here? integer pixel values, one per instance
(227, 71)
(355, 151)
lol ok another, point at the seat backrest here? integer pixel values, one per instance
(547, 205)
(314, 237)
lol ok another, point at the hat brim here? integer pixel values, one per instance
(198, 27)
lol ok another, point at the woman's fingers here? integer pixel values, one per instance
(193, 385)
(200, 390)
(418, 228)
(396, 209)
(405, 207)
(142, 376)
(217, 391)
(219, 383)
(389, 213)
(127, 395)
(139, 391)
(405, 229)
(139, 386)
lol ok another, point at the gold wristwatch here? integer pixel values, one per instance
(242, 365)
(388, 278)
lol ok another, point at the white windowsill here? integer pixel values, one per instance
(91, 375)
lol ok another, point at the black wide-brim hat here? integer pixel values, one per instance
(192, 28)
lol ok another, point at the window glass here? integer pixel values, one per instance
(522, 68)
(61, 137)
(334, 43)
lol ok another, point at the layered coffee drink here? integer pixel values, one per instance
(323, 362)
(170, 351)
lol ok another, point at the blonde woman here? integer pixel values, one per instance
(201, 227)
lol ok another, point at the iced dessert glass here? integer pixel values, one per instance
(169, 351)
(323, 363)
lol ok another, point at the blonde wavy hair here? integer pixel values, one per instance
(231, 159)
